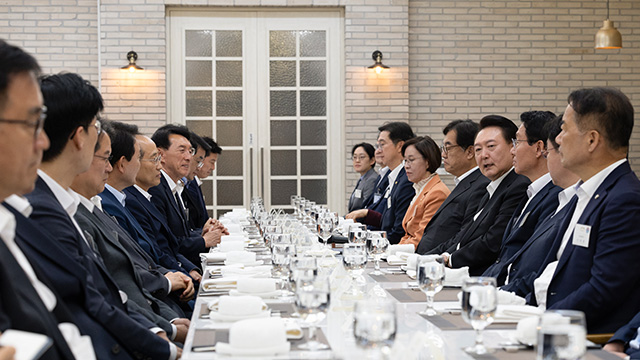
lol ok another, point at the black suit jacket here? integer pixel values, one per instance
(480, 240)
(194, 201)
(456, 210)
(392, 217)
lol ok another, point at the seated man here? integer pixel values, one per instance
(599, 236)
(196, 217)
(459, 207)
(193, 187)
(529, 150)
(478, 243)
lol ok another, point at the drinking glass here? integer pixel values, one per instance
(430, 275)
(354, 258)
(357, 234)
(479, 303)
(374, 324)
(325, 228)
(312, 300)
(377, 245)
(561, 335)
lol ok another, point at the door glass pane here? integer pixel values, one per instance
(313, 73)
(198, 42)
(229, 103)
(283, 103)
(283, 132)
(282, 73)
(282, 43)
(314, 190)
(229, 163)
(283, 162)
(228, 43)
(228, 73)
(198, 73)
(313, 103)
(198, 103)
(230, 192)
(200, 127)
(313, 132)
(281, 191)
(229, 132)
(313, 162)
(313, 43)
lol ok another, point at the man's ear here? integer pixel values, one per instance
(78, 137)
(119, 165)
(469, 153)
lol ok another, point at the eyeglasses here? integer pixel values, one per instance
(545, 153)
(518, 141)
(409, 162)
(380, 145)
(359, 158)
(98, 126)
(155, 160)
(200, 164)
(106, 159)
(446, 148)
(37, 125)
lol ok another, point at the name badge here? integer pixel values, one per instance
(357, 193)
(389, 203)
(581, 235)
(524, 218)
(376, 197)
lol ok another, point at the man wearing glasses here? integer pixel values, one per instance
(458, 208)
(196, 217)
(204, 171)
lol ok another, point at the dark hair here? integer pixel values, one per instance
(123, 141)
(212, 144)
(553, 128)
(71, 102)
(428, 149)
(398, 131)
(368, 148)
(161, 136)
(13, 60)
(198, 142)
(507, 126)
(534, 124)
(607, 110)
(466, 131)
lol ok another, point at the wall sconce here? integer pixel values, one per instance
(608, 37)
(378, 66)
(132, 56)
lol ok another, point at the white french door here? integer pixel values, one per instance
(267, 86)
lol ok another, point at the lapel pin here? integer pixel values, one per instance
(597, 196)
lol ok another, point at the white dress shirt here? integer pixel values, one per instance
(458, 179)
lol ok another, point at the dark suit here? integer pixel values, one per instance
(400, 198)
(83, 282)
(521, 227)
(627, 333)
(456, 210)
(194, 201)
(22, 309)
(366, 184)
(603, 279)
(480, 240)
(380, 185)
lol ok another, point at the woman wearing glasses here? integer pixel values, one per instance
(363, 162)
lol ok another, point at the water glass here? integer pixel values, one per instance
(357, 233)
(354, 258)
(430, 275)
(377, 245)
(561, 335)
(325, 228)
(374, 324)
(479, 303)
(312, 301)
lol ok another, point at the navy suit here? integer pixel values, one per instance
(603, 279)
(400, 196)
(521, 227)
(380, 185)
(480, 240)
(628, 333)
(81, 279)
(194, 201)
(457, 210)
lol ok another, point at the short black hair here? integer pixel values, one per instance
(198, 142)
(13, 60)
(161, 136)
(213, 145)
(607, 110)
(368, 148)
(507, 126)
(534, 124)
(398, 131)
(466, 131)
(428, 149)
(71, 102)
(123, 141)
(553, 128)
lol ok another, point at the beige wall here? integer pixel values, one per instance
(450, 59)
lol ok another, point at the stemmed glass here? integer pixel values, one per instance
(325, 228)
(374, 324)
(357, 234)
(281, 258)
(377, 244)
(354, 258)
(562, 335)
(312, 300)
(479, 303)
(430, 275)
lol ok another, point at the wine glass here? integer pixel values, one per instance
(281, 258)
(562, 335)
(312, 300)
(377, 245)
(354, 258)
(374, 324)
(357, 234)
(479, 303)
(325, 228)
(430, 275)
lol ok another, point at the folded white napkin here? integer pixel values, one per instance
(229, 238)
(398, 258)
(246, 258)
(229, 246)
(454, 277)
(254, 271)
(527, 330)
(213, 257)
(509, 298)
(219, 284)
(256, 337)
(251, 285)
(234, 229)
(412, 261)
(401, 248)
(236, 308)
(515, 313)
